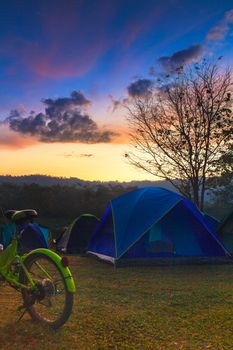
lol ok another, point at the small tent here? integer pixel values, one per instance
(32, 235)
(225, 231)
(6, 234)
(153, 223)
(76, 237)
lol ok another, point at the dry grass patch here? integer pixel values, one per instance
(167, 308)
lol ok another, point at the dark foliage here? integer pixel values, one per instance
(59, 201)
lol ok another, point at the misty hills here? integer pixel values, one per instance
(45, 180)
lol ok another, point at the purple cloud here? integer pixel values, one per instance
(140, 87)
(82, 155)
(76, 99)
(115, 104)
(222, 28)
(63, 121)
(181, 57)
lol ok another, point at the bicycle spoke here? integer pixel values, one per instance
(49, 304)
(50, 299)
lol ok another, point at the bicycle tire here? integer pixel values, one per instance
(32, 308)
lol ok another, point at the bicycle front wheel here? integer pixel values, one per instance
(50, 302)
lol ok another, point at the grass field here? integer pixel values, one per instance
(167, 307)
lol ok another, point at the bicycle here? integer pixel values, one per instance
(40, 275)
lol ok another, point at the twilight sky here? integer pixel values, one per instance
(65, 64)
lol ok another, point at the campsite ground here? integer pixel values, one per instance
(167, 308)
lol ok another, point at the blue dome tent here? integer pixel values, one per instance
(211, 221)
(153, 223)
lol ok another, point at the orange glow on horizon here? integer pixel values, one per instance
(103, 162)
(12, 140)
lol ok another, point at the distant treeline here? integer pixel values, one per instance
(58, 205)
(59, 201)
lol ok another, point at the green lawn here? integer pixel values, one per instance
(167, 308)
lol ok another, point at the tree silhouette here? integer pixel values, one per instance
(181, 128)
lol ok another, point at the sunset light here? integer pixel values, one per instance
(85, 60)
(116, 174)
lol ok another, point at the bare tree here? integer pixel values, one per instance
(182, 127)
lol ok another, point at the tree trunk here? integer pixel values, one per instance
(202, 193)
(196, 192)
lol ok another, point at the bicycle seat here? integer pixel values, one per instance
(21, 215)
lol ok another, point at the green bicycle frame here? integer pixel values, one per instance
(10, 256)
(7, 258)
